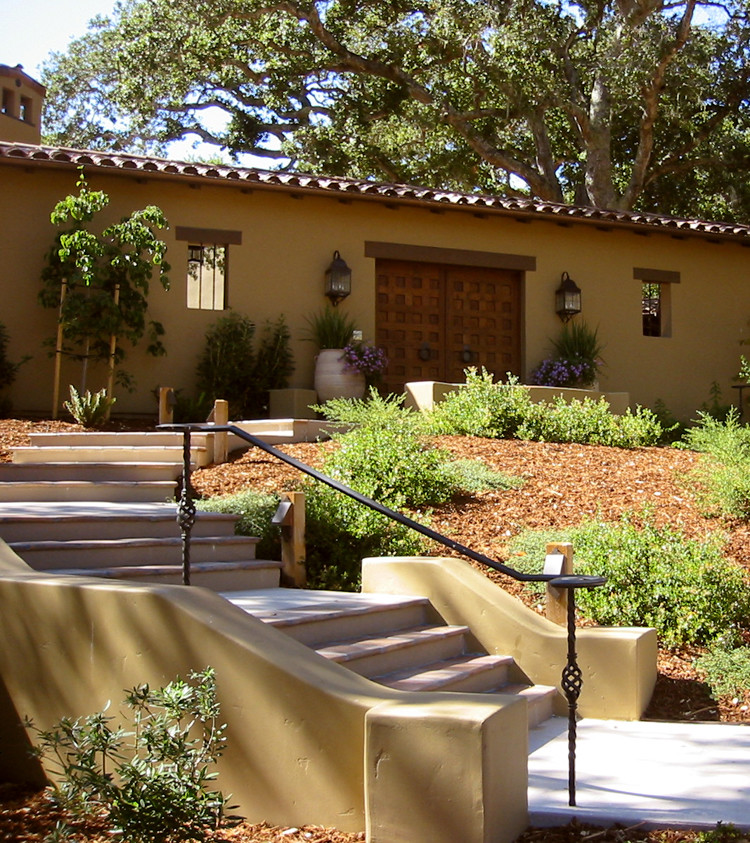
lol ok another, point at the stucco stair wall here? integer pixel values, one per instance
(142, 550)
(399, 642)
(51, 521)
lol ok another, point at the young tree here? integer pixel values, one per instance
(99, 282)
(612, 103)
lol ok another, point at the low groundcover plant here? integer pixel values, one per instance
(151, 780)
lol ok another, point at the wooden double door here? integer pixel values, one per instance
(435, 320)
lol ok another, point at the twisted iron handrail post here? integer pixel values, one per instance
(186, 506)
(572, 675)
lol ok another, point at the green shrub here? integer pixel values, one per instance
(727, 671)
(255, 511)
(330, 328)
(231, 368)
(341, 532)
(482, 407)
(591, 423)
(578, 342)
(87, 409)
(8, 371)
(723, 476)
(374, 410)
(153, 779)
(656, 576)
(393, 466)
(504, 410)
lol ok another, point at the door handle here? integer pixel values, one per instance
(467, 355)
(425, 352)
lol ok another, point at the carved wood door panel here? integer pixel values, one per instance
(435, 320)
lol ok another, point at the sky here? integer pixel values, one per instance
(32, 29)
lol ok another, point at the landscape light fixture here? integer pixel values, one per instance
(567, 298)
(338, 283)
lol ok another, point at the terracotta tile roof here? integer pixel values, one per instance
(301, 183)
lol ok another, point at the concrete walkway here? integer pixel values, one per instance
(678, 775)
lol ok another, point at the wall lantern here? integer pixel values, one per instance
(338, 283)
(567, 298)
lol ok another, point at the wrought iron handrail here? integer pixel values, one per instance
(363, 499)
(572, 677)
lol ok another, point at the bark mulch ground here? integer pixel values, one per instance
(563, 486)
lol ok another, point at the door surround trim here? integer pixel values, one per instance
(454, 257)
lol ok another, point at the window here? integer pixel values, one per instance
(206, 276)
(26, 110)
(651, 299)
(9, 102)
(207, 265)
(656, 300)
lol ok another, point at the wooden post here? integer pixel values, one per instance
(166, 405)
(58, 351)
(559, 561)
(112, 355)
(293, 552)
(221, 444)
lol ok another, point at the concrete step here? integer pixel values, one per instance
(105, 553)
(384, 637)
(324, 624)
(82, 490)
(90, 471)
(218, 576)
(541, 700)
(135, 438)
(374, 655)
(63, 521)
(475, 672)
(92, 452)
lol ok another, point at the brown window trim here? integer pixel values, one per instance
(457, 257)
(655, 276)
(220, 236)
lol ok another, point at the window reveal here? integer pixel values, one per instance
(207, 276)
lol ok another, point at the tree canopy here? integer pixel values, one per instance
(614, 103)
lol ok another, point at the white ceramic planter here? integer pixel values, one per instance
(333, 379)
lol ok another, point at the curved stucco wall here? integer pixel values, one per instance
(308, 741)
(618, 663)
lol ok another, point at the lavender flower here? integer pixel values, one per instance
(560, 372)
(370, 360)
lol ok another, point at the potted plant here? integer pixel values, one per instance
(332, 331)
(368, 360)
(576, 361)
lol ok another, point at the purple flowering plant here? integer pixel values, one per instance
(560, 372)
(370, 360)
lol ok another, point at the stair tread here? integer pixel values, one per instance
(167, 541)
(344, 651)
(121, 446)
(320, 613)
(529, 690)
(166, 484)
(445, 672)
(196, 567)
(89, 517)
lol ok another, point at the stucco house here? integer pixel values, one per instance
(441, 279)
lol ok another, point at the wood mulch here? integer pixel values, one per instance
(563, 486)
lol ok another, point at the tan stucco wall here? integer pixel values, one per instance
(618, 663)
(288, 242)
(308, 741)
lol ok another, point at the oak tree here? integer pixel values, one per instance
(613, 103)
